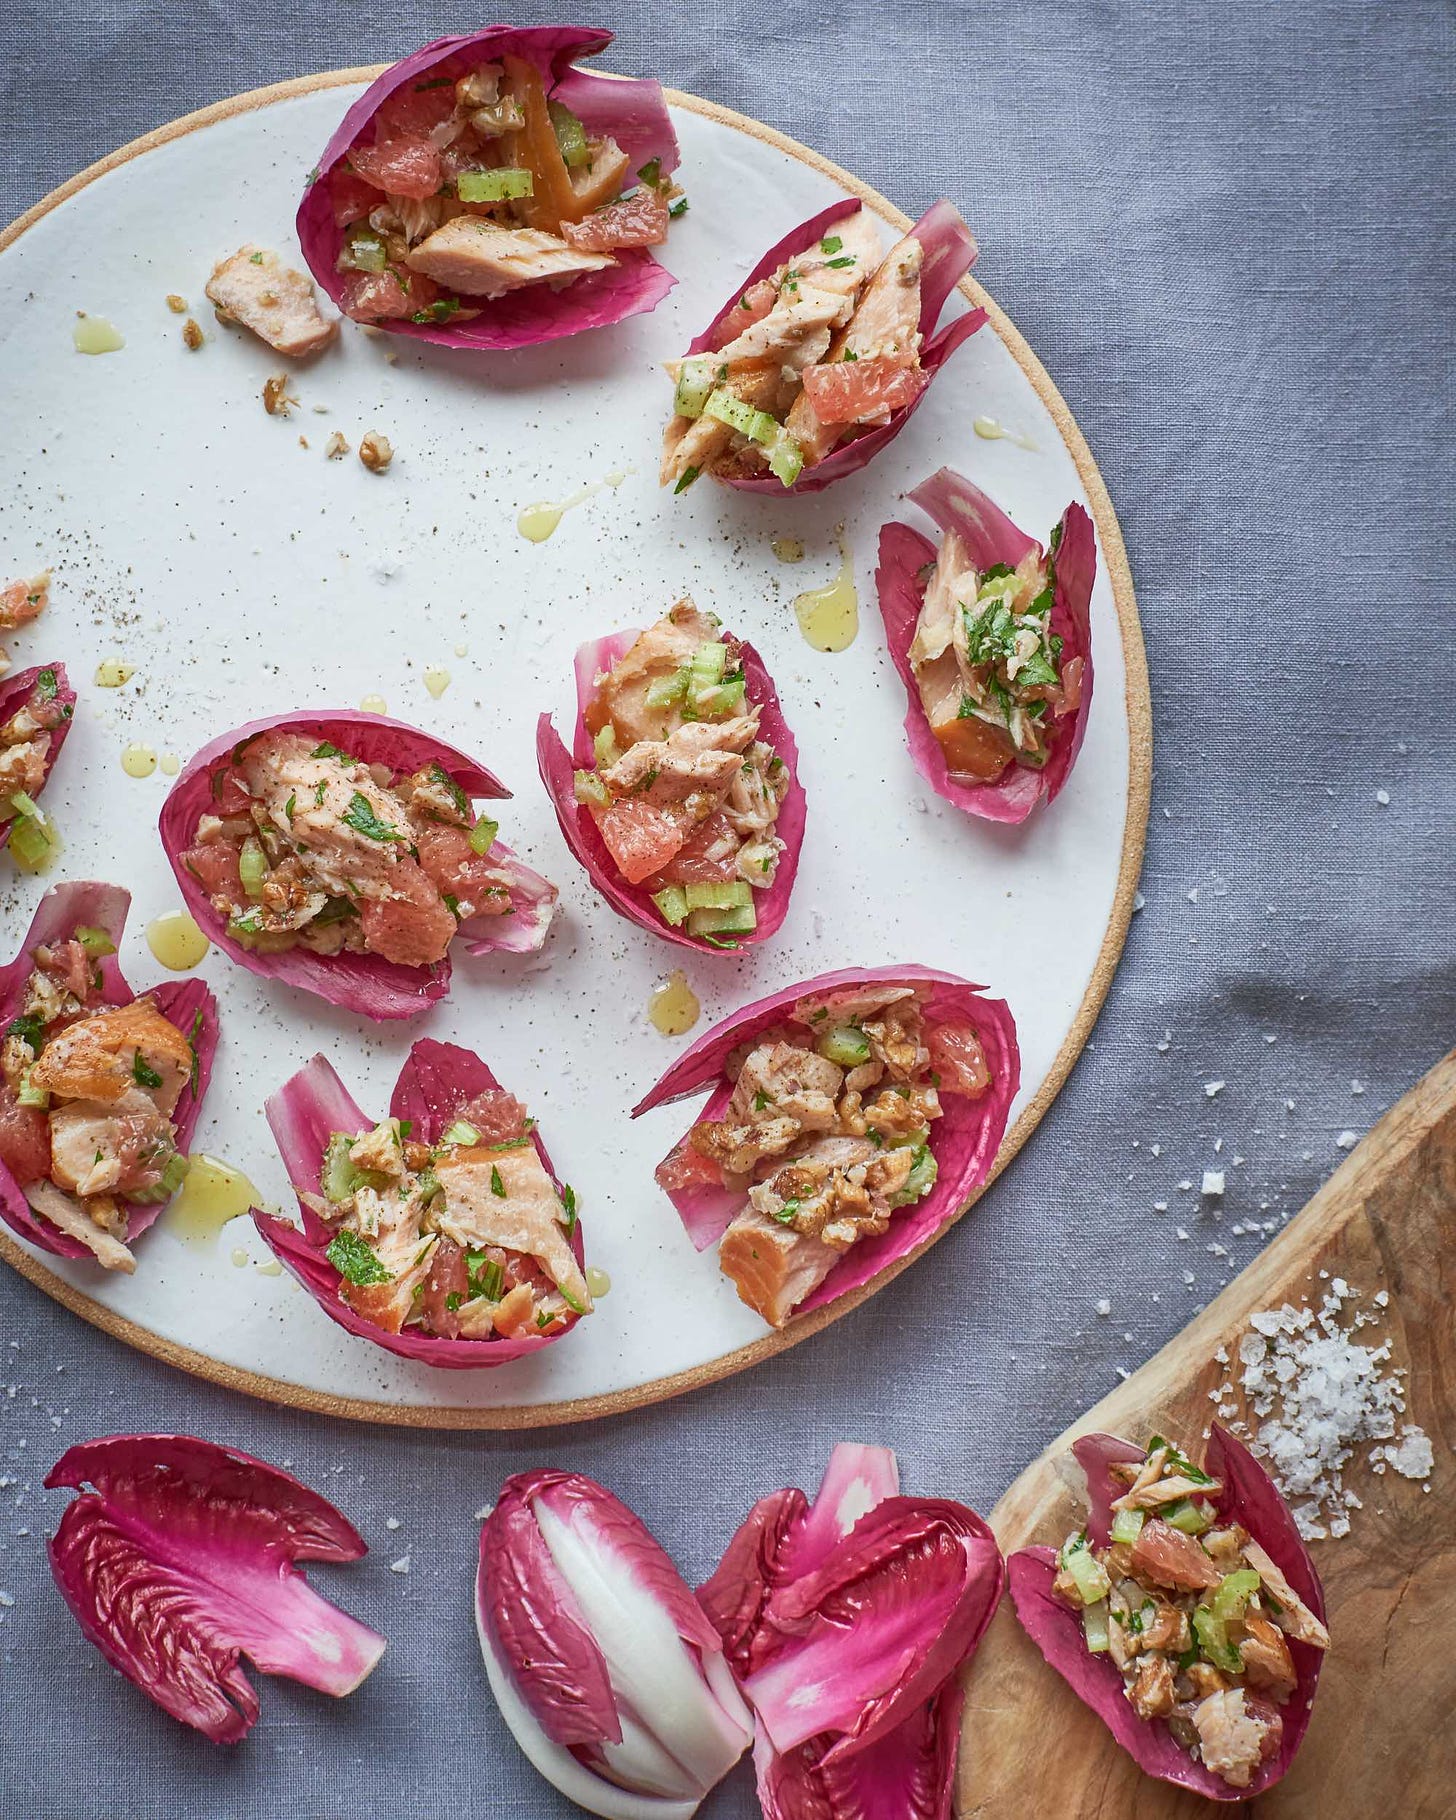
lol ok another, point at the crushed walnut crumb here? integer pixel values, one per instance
(177, 305)
(278, 401)
(375, 452)
(336, 448)
(192, 335)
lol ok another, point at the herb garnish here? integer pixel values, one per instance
(355, 1261)
(361, 818)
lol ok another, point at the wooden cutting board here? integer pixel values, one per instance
(1381, 1744)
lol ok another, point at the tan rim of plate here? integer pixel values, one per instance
(1140, 763)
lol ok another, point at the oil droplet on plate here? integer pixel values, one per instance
(269, 1267)
(112, 672)
(437, 681)
(138, 761)
(373, 704)
(95, 335)
(462, 650)
(788, 549)
(240, 1258)
(176, 941)
(829, 617)
(213, 1193)
(989, 430)
(537, 521)
(673, 1006)
(597, 1281)
(169, 764)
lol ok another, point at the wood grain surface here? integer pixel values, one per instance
(1382, 1738)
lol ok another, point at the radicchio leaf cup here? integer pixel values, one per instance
(188, 1004)
(964, 1140)
(1249, 1498)
(365, 983)
(950, 252)
(846, 1621)
(990, 537)
(603, 1664)
(558, 772)
(15, 692)
(436, 1081)
(633, 112)
(183, 1558)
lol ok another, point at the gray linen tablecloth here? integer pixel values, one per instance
(1228, 233)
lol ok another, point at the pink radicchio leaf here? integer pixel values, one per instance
(907, 1774)
(188, 1004)
(784, 1537)
(183, 1558)
(1249, 1498)
(15, 692)
(558, 773)
(990, 537)
(632, 112)
(950, 251)
(964, 1141)
(436, 1080)
(878, 1627)
(364, 983)
(604, 1666)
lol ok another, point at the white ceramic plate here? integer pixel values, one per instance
(243, 574)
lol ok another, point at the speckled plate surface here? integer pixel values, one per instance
(243, 573)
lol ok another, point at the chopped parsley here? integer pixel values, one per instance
(288, 806)
(831, 245)
(320, 791)
(497, 1186)
(517, 1143)
(192, 1036)
(440, 311)
(836, 265)
(786, 1214)
(326, 750)
(459, 801)
(361, 818)
(46, 685)
(142, 1071)
(30, 1030)
(255, 258)
(355, 1261)
(689, 475)
(568, 1202)
(676, 210)
(651, 173)
(761, 1101)
(453, 1300)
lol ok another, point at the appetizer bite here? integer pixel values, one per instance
(486, 193)
(101, 1089)
(253, 287)
(818, 360)
(23, 600)
(601, 1661)
(992, 638)
(682, 800)
(180, 1556)
(1186, 1612)
(341, 852)
(36, 707)
(851, 1118)
(441, 1233)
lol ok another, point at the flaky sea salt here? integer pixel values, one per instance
(401, 1566)
(1213, 1181)
(1316, 1395)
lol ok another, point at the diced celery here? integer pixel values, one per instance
(590, 789)
(920, 1180)
(1084, 1570)
(461, 1132)
(482, 835)
(845, 1044)
(663, 691)
(1127, 1525)
(785, 459)
(570, 135)
(1233, 1593)
(730, 895)
(672, 903)
(253, 866)
(96, 942)
(173, 1176)
(1214, 1640)
(33, 839)
(695, 381)
(1191, 1515)
(494, 186)
(720, 700)
(338, 1177)
(709, 663)
(21, 804)
(26, 1095)
(604, 744)
(729, 408)
(723, 922)
(364, 251)
(1094, 1628)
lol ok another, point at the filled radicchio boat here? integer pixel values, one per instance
(992, 638)
(847, 1621)
(179, 1557)
(486, 193)
(341, 852)
(1186, 1612)
(101, 1089)
(850, 1119)
(441, 1233)
(681, 797)
(36, 708)
(817, 362)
